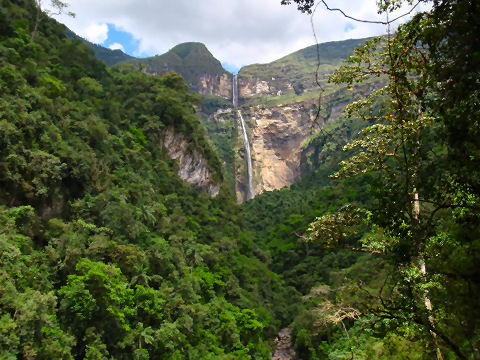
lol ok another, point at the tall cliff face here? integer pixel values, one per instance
(280, 125)
(215, 84)
(193, 167)
(277, 136)
(279, 102)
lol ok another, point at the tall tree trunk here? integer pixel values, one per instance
(37, 19)
(423, 269)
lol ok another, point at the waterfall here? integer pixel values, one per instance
(248, 157)
(235, 91)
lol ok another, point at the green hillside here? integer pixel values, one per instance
(108, 56)
(294, 74)
(104, 252)
(190, 60)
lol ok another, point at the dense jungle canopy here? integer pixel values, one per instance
(105, 253)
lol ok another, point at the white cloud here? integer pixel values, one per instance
(96, 33)
(237, 32)
(116, 46)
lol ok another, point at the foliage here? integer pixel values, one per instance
(191, 60)
(419, 191)
(292, 78)
(104, 251)
(222, 133)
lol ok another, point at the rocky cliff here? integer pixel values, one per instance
(215, 84)
(192, 165)
(277, 135)
(284, 103)
(280, 103)
(278, 127)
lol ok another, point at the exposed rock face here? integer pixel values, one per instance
(248, 87)
(208, 84)
(277, 132)
(192, 165)
(277, 136)
(218, 85)
(284, 349)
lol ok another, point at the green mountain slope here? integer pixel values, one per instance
(104, 251)
(108, 56)
(293, 75)
(191, 60)
(304, 62)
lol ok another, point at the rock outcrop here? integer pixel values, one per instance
(283, 346)
(249, 87)
(278, 132)
(277, 135)
(217, 85)
(192, 165)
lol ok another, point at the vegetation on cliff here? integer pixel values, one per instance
(294, 74)
(104, 252)
(191, 60)
(415, 295)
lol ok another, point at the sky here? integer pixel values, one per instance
(237, 32)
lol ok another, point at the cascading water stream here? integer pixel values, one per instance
(248, 158)
(235, 91)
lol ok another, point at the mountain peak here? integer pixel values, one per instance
(191, 48)
(194, 62)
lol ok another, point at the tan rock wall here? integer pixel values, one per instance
(277, 135)
(192, 165)
(218, 85)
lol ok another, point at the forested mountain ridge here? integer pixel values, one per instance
(104, 251)
(108, 56)
(296, 72)
(192, 60)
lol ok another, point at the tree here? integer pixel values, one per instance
(303, 5)
(419, 122)
(58, 7)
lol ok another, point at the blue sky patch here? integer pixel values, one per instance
(125, 39)
(349, 27)
(230, 67)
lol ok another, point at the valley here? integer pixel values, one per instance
(321, 206)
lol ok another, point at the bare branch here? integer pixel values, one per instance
(370, 21)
